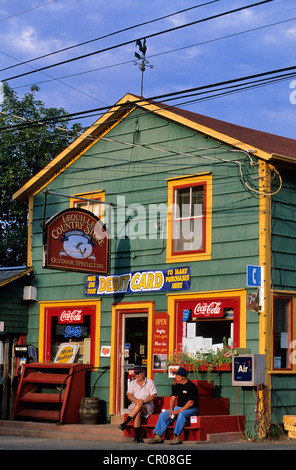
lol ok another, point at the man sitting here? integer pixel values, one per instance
(141, 393)
(186, 394)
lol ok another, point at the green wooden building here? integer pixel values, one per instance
(190, 207)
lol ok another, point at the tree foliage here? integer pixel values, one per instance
(23, 153)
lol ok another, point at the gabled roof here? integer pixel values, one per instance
(275, 146)
(269, 147)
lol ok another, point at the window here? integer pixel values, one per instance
(70, 322)
(189, 218)
(282, 315)
(204, 323)
(187, 224)
(95, 205)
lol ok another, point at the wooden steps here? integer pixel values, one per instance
(38, 414)
(41, 398)
(41, 377)
(50, 392)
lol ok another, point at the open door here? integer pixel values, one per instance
(134, 347)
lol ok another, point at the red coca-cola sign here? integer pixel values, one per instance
(71, 316)
(209, 308)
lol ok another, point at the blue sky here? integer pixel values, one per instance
(186, 58)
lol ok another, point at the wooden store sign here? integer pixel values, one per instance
(160, 340)
(76, 240)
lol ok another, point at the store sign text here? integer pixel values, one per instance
(160, 340)
(208, 309)
(70, 316)
(172, 279)
(76, 240)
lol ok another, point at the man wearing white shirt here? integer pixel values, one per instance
(141, 393)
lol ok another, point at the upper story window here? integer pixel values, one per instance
(189, 218)
(94, 203)
(187, 223)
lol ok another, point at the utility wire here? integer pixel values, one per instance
(202, 43)
(86, 42)
(51, 78)
(110, 34)
(261, 79)
(219, 15)
(26, 11)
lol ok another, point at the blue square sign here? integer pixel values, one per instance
(243, 368)
(254, 276)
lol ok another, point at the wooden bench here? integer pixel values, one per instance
(213, 417)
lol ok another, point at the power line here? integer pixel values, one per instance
(232, 85)
(208, 41)
(110, 34)
(54, 79)
(26, 11)
(219, 15)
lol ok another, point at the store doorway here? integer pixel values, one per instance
(134, 349)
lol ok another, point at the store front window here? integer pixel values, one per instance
(282, 317)
(205, 324)
(71, 324)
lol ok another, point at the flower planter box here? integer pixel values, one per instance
(221, 368)
(204, 368)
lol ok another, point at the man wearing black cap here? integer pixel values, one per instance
(186, 394)
(141, 393)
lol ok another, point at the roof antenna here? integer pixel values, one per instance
(144, 63)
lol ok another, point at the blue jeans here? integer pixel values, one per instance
(164, 420)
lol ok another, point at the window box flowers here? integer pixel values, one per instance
(203, 360)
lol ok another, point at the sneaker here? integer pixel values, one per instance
(176, 440)
(138, 440)
(156, 440)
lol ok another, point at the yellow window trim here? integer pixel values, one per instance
(206, 255)
(95, 195)
(45, 305)
(292, 297)
(150, 307)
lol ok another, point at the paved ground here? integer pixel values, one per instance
(15, 443)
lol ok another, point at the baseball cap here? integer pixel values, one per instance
(181, 371)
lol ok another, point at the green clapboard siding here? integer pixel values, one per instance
(13, 310)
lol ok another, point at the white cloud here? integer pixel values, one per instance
(28, 42)
(291, 33)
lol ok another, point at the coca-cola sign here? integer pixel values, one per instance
(71, 316)
(210, 308)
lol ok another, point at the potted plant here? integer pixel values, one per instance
(203, 360)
